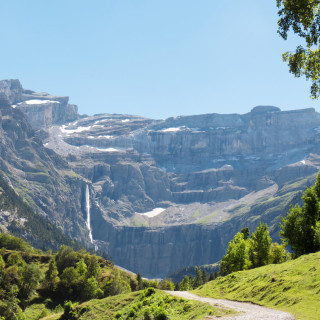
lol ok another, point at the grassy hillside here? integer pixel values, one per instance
(36, 285)
(148, 304)
(293, 286)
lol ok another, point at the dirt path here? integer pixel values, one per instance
(248, 311)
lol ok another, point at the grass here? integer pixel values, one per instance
(137, 305)
(196, 214)
(293, 286)
(208, 218)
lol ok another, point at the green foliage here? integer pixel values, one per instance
(166, 284)
(94, 269)
(29, 277)
(14, 243)
(69, 286)
(157, 305)
(237, 256)
(139, 281)
(278, 253)
(9, 305)
(81, 267)
(14, 259)
(52, 278)
(117, 283)
(301, 228)
(90, 289)
(260, 246)
(302, 16)
(246, 233)
(198, 279)
(69, 311)
(244, 253)
(65, 258)
(292, 286)
(186, 284)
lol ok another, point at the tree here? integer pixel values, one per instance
(70, 282)
(15, 258)
(301, 228)
(261, 245)
(185, 284)
(198, 279)
(81, 267)
(65, 258)
(139, 281)
(116, 284)
(90, 289)
(30, 276)
(94, 269)
(2, 271)
(237, 256)
(303, 17)
(166, 284)
(212, 276)
(246, 233)
(278, 253)
(204, 276)
(51, 277)
(9, 307)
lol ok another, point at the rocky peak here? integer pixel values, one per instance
(264, 109)
(12, 90)
(42, 109)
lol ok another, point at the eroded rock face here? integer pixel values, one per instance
(163, 194)
(39, 175)
(42, 109)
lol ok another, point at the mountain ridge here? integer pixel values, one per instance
(205, 176)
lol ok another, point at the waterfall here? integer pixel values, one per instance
(88, 213)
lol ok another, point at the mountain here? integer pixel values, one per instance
(163, 194)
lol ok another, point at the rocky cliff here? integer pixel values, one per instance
(170, 193)
(42, 109)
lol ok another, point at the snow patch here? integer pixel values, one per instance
(79, 129)
(171, 129)
(110, 149)
(125, 120)
(153, 213)
(39, 101)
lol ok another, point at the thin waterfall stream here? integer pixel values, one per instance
(89, 216)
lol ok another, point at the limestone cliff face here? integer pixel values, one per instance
(42, 109)
(163, 194)
(39, 175)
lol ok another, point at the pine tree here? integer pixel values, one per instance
(261, 246)
(51, 277)
(198, 280)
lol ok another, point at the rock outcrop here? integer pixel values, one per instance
(42, 109)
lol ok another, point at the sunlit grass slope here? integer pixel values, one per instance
(147, 304)
(293, 286)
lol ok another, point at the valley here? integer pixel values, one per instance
(163, 194)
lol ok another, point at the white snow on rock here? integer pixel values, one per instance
(153, 213)
(110, 149)
(171, 129)
(125, 120)
(79, 129)
(39, 101)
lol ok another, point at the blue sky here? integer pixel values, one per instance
(155, 58)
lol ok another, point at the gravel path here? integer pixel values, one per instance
(248, 311)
